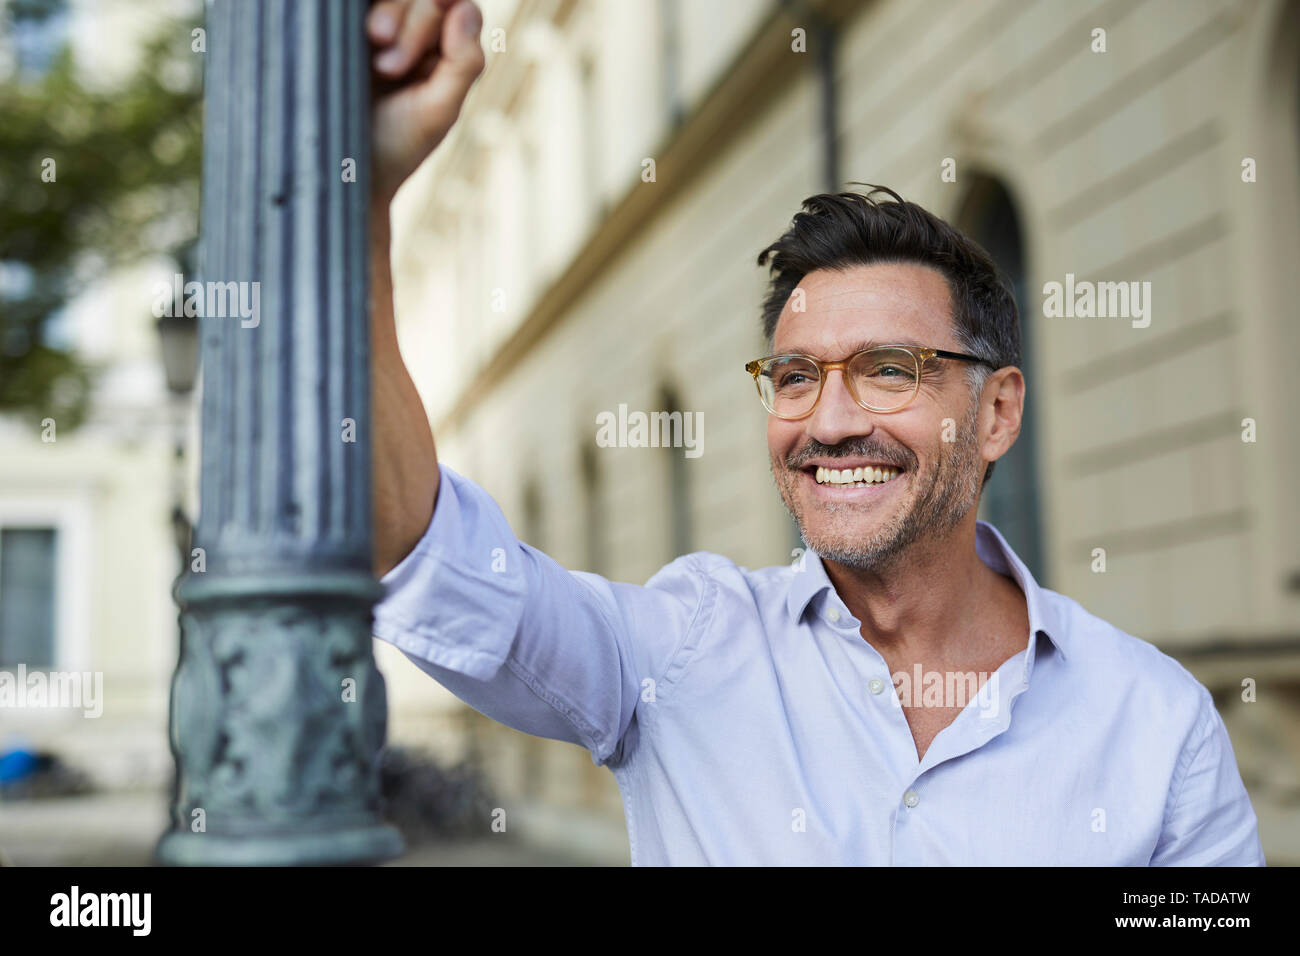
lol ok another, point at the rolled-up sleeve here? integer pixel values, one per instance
(548, 651)
(1210, 821)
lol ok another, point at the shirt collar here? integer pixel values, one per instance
(809, 579)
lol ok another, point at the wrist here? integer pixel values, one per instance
(380, 227)
(381, 201)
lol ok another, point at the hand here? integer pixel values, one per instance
(426, 57)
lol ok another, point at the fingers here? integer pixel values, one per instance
(462, 58)
(415, 35)
(414, 111)
(384, 20)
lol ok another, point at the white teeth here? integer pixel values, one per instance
(859, 477)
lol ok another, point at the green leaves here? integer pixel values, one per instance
(91, 178)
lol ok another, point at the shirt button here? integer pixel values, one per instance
(833, 614)
(876, 685)
(911, 799)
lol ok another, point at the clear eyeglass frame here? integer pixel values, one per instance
(920, 355)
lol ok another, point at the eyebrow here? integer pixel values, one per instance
(856, 347)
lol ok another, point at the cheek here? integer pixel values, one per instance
(929, 441)
(780, 439)
(775, 440)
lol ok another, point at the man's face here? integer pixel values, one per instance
(938, 481)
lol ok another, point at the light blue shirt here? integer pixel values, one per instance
(748, 722)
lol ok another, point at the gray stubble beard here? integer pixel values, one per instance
(953, 489)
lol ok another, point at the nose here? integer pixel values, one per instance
(837, 416)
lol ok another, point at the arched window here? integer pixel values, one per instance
(677, 479)
(592, 493)
(1010, 501)
(533, 515)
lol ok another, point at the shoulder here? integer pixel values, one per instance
(722, 572)
(1108, 662)
(725, 590)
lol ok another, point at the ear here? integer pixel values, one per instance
(1002, 404)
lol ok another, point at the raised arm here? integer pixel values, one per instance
(556, 653)
(426, 55)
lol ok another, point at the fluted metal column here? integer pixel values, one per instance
(278, 711)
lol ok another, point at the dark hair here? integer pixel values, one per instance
(839, 230)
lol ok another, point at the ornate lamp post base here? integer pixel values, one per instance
(369, 844)
(277, 715)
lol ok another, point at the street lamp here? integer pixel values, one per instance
(179, 335)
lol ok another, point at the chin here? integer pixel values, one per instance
(830, 537)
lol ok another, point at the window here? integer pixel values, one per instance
(1010, 501)
(533, 221)
(593, 529)
(27, 596)
(678, 480)
(670, 59)
(591, 131)
(533, 516)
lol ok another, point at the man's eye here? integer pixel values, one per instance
(892, 371)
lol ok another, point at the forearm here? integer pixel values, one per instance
(405, 473)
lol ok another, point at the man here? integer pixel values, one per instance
(905, 693)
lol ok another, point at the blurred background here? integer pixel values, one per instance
(599, 208)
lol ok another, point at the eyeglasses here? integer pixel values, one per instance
(884, 378)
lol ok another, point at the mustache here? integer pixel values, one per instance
(852, 448)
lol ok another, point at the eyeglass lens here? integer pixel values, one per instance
(884, 379)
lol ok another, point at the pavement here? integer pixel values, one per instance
(122, 828)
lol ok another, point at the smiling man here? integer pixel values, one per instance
(904, 694)
(882, 464)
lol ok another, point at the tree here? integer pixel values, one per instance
(90, 180)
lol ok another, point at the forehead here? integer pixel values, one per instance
(895, 303)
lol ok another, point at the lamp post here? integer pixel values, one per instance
(278, 711)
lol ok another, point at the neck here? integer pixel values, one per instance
(925, 604)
